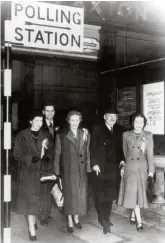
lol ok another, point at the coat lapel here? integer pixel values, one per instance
(106, 132)
(140, 136)
(70, 137)
(41, 137)
(79, 137)
(30, 138)
(81, 134)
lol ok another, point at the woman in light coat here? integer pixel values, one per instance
(138, 151)
(71, 162)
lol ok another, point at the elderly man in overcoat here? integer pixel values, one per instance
(106, 156)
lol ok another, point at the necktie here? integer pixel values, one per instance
(51, 129)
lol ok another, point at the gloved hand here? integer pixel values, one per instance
(35, 159)
(149, 179)
(96, 168)
(122, 164)
(150, 174)
(45, 159)
(122, 171)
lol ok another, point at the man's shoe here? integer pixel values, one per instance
(110, 223)
(100, 221)
(106, 227)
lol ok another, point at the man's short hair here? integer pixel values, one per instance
(48, 104)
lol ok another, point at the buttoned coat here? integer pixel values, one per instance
(138, 152)
(107, 153)
(32, 195)
(71, 161)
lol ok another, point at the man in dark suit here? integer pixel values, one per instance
(49, 122)
(106, 156)
(48, 125)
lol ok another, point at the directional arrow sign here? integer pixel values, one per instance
(46, 26)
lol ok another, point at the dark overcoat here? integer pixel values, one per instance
(139, 162)
(107, 153)
(71, 161)
(31, 192)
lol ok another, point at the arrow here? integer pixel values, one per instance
(58, 27)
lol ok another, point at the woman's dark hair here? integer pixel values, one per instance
(139, 115)
(35, 113)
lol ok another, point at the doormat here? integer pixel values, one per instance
(93, 234)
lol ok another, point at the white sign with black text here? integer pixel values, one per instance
(46, 26)
(153, 107)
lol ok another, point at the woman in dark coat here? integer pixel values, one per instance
(72, 147)
(138, 151)
(32, 148)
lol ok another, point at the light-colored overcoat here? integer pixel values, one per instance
(138, 153)
(71, 161)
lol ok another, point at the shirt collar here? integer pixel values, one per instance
(48, 122)
(110, 128)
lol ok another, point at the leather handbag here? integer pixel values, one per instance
(150, 189)
(46, 172)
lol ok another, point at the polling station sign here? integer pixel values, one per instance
(46, 26)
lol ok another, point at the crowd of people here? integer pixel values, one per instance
(116, 164)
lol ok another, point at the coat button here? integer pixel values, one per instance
(132, 158)
(82, 162)
(132, 146)
(80, 155)
(137, 158)
(138, 147)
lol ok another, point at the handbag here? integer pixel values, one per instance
(57, 193)
(150, 189)
(46, 172)
(47, 177)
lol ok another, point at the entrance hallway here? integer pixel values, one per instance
(55, 231)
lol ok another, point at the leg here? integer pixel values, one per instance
(99, 208)
(31, 223)
(45, 203)
(107, 206)
(132, 217)
(108, 210)
(96, 187)
(76, 219)
(77, 222)
(139, 225)
(69, 224)
(70, 221)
